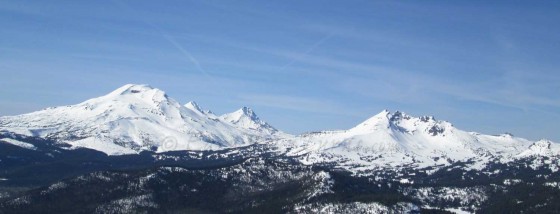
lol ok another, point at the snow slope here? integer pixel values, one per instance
(131, 119)
(18, 143)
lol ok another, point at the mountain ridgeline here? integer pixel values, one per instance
(136, 150)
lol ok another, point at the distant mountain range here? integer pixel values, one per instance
(139, 122)
(137, 118)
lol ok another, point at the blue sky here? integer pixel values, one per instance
(301, 65)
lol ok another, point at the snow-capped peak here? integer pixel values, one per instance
(244, 112)
(133, 88)
(400, 121)
(140, 91)
(192, 105)
(246, 118)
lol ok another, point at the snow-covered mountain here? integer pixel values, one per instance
(135, 118)
(399, 140)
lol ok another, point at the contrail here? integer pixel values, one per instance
(170, 39)
(308, 51)
(186, 54)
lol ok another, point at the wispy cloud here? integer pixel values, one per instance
(187, 54)
(404, 86)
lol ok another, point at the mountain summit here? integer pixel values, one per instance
(402, 122)
(246, 118)
(194, 106)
